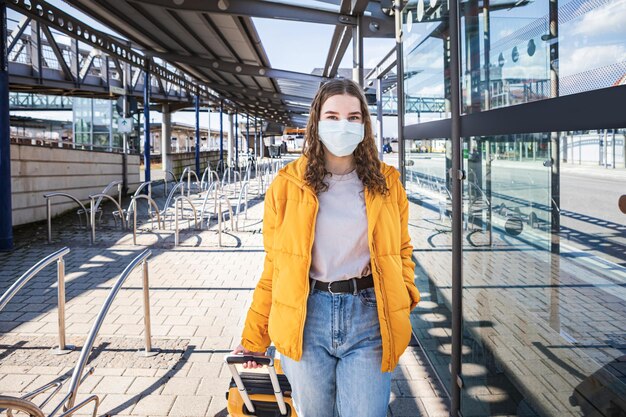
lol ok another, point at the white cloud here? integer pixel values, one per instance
(590, 57)
(607, 20)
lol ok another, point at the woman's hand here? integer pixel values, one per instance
(250, 364)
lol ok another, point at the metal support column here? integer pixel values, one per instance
(126, 84)
(221, 132)
(166, 137)
(456, 177)
(6, 218)
(146, 121)
(357, 51)
(400, 90)
(237, 138)
(247, 132)
(554, 137)
(379, 116)
(256, 139)
(197, 104)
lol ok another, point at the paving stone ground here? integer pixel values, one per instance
(199, 295)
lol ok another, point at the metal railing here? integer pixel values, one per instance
(67, 403)
(215, 187)
(166, 206)
(170, 173)
(134, 206)
(242, 194)
(28, 275)
(88, 346)
(223, 197)
(49, 197)
(138, 191)
(188, 172)
(94, 210)
(105, 191)
(178, 206)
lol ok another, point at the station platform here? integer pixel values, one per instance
(199, 295)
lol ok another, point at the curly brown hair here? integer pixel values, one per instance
(368, 166)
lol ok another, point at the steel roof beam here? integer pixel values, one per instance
(240, 69)
(77, 30)
(257, 93)
(254, 8)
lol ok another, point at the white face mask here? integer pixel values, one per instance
(340, 137)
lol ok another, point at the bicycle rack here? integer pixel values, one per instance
(48, 198)
(57, 256)
(178, 207)
(105, 191)
(244, 189)
(94, 210)
(152, 203)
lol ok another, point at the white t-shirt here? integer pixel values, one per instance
(340, 248)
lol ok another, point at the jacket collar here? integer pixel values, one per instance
(294, 171)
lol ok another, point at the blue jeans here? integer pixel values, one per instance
(339, 372)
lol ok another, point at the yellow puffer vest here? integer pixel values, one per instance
(279, 302)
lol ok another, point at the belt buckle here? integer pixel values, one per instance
(330, 289)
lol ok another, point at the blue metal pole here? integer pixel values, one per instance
(221, 132)
(236, 138)
(256, 132)
(6, 215)
(198, 136)
(146, 122)
(247, 132)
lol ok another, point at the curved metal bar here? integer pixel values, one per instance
(95, 209)
(182, 176)
(19, 404)
(244, 188)
(195, 215)
(166, 207)
(214, 186)
(28, 275)
(188, 172)
(91, 398)
(106, 191)
(205, 174)
(135, 194)
(235, 175)
(167, 171)
(221, 215)
(88, 346)
(152, 203)
(49, 210)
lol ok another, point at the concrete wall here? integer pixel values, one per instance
(179, 161)
(37, 170)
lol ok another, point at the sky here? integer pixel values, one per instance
(277, 37)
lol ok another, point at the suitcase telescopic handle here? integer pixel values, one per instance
(239, 359)
(231, 360)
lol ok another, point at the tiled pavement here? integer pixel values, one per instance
(199, 295)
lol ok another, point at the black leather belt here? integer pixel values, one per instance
(351, 285)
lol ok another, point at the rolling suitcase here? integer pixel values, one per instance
(258, 394)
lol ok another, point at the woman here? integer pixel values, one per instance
(338, 282)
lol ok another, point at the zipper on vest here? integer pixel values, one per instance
(308, 281)
(386, 307)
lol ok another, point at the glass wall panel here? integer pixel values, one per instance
(544, 310)
(510, 54)
(430, 230)
(93, 122)
(426, 51)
